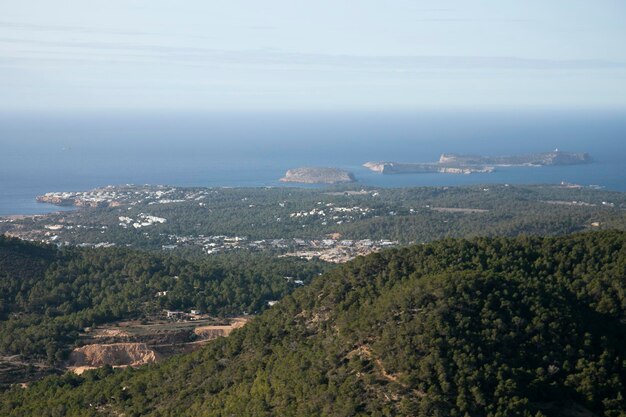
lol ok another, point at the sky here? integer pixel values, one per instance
(394, 55)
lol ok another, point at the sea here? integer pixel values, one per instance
(74, 151)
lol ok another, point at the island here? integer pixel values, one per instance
(313, 175)
(555, 157)
(417, 168)
(470, 164)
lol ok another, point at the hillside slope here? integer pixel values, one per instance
(487, 327)
(48, 295)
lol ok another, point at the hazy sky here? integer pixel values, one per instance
(313, 55)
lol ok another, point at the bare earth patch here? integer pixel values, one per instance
(114, 354)
(213, 332)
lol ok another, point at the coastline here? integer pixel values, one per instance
(21, 201)
(40, 213)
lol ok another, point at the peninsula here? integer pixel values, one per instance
(469, 164)
(312, 175)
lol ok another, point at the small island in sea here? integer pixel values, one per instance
(469, 164)
(419, 168)
(313, 175)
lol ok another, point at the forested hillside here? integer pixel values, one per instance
(483, 327)
(48, 295)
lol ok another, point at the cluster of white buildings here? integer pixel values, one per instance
(328, 212)
(143, 220)
(217, 244)
(193, 314)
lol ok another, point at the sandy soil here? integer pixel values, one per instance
(114, 354)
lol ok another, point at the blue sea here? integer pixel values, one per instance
(41, 152)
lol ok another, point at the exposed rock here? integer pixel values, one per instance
(114, 354)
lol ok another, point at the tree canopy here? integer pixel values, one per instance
(484, 327)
